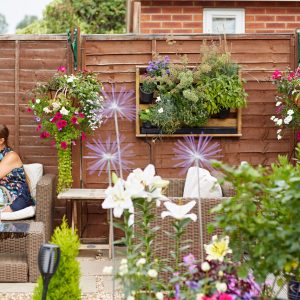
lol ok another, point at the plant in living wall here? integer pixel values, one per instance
(66, 108)
(267, 202)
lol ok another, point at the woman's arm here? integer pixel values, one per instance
(9, 162)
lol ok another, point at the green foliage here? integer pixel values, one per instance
(92, 16)
(64, 284)
(27, 20)
(148, 84)
(262, 220)
(3, 24)
(65, 178)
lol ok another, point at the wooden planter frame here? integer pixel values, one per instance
(234, 121)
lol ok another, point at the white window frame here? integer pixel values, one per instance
(210, 13)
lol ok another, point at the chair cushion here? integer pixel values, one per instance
(34, 173)
(209, 186)
(21, 214)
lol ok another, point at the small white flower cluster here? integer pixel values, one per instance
(285, 121)
(123, 269)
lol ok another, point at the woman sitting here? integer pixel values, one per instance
(14, 190)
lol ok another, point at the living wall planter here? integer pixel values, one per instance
(225, 124)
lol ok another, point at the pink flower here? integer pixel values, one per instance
(213, 297)
(276, 75)
(61, 124)
(74, 120)
(56, 117)
(291, 76)
(279, 109)
(53, 143)
(44, 135)
(38, 128)
(64, 145)
(298, 136)
(83, 136)
(62, 69)
(81, 115)
(225, 296)
(29, 110)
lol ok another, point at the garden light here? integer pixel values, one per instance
(48, 260)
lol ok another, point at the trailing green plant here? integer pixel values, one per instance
(262, 219)
(64, 284)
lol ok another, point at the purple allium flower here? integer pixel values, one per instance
(105, 156)
(191, 153)
(120, 103)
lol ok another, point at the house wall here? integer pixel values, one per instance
(27, 60)
(187, 16)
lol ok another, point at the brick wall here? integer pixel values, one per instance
(187, 16)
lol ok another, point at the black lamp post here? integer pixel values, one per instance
(48, 260)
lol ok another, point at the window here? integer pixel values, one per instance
(225, 20)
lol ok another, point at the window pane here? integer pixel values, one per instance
(223, 25)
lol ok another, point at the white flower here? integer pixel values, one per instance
(130, 298)
(158, 99)
(272, 118)
(37, 101)
(123, 269)
(221, 287)
(288, 119)
(279, 137)
(141, 262)
(107, 270)
(161, 110)
(71, 78)
(179, 212)
(159, 296)
(290, 112)
(117, 198)
(275, 120)
(279, 122)
(221, 273)
(278, 103)
(46, 110)
(279, 130)
(218, 249)
(152, 273)
(205, 266)
(56, 105)
(64, 111)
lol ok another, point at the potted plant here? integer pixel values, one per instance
(147, 88)
(264, 213)
(66, 115)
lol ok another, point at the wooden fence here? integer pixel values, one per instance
(25, 60)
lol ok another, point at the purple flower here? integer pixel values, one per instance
(119, 103)
(37, 119)
(192, 153)
(194, 285)
(189, 259)
(105, 156)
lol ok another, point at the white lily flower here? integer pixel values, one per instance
(179, 212)
(117, 198)
(64, 111)
(218, 249)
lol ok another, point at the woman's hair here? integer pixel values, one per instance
(4, 133)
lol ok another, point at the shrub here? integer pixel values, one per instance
(64, 284)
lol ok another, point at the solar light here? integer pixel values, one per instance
(48, 261)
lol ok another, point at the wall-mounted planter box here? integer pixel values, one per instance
(228, 127)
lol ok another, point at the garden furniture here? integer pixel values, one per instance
(19, 255)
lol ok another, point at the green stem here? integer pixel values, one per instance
(177, 243)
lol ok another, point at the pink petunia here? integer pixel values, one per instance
(225, 296)
(83, 136)
(38, 128)
(81, 115)
(44, 135)
(52, 143)
(56, 117)
(64, 145)
(29, 110)
(62, 69)
(74, 120)
(61, 124)
(291, 76)
(276, 75)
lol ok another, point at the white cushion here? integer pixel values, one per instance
(21, 214)
(209, 186)
(34, 173)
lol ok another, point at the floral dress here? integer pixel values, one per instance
(14, 187)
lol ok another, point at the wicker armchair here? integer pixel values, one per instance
(163, 244)
(18, 256)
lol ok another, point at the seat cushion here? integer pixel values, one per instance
(13, 268)
(208, 185)
(21, 214)
(34, 173)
